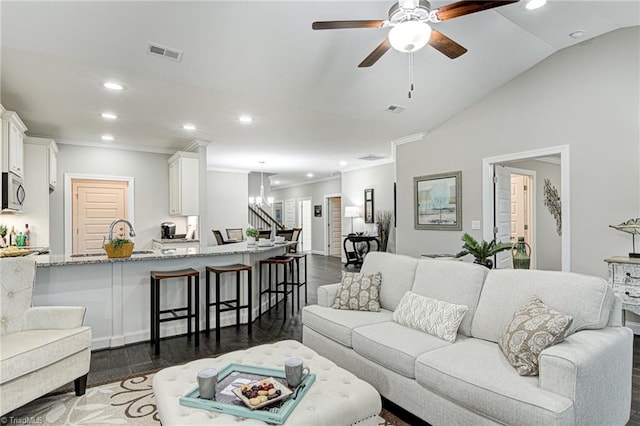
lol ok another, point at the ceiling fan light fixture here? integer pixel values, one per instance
(409, 36)
(535, 4)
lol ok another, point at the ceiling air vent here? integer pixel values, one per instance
(396, 109)
(372, 157)
(170, 53)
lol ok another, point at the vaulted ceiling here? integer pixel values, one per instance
(312, 107)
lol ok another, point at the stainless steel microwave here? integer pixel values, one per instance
(13, 193)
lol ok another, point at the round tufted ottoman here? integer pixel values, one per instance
(336, 398)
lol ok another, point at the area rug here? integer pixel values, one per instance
(128, 401)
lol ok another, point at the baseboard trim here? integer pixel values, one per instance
(320, 252)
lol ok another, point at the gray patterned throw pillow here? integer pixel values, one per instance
(435, 317)
(359, 292)
(534, 327)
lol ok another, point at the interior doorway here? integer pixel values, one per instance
(304, 222)
(92, 203)
(551, 242)
(333, 225)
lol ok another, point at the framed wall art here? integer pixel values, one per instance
(438, 201)
(368, 205)
(317, 210)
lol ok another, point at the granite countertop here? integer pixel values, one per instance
(45, 260)
(174, 240)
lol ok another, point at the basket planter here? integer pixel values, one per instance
(124, 250)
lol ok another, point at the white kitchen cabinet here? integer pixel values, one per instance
(12, 143)
(183, 184)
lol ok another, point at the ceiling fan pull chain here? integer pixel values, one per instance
(410, 73)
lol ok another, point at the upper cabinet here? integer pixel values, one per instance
(183, 184)
(12, 139)
(46, 167)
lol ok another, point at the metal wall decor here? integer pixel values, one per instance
(552, 201)
(438, 201)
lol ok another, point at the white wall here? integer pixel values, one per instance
(227, 202)
(584, 96)
(317, 191)
(380, 179)
(151, 179)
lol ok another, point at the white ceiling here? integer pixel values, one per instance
(312, 106)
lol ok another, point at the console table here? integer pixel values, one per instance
(624, 277)
(353, 257)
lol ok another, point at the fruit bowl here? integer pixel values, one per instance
(261, 393)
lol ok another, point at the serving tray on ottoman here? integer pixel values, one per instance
(235, 375)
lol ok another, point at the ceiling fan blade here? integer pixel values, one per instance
(445, 45)
(461, 8)
(334, 25)
(376, 54)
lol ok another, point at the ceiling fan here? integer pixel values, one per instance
(410, 30)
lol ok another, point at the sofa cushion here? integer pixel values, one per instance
(359, 292)
(438, 318)
(589, 300)
(453, 282)
(534, 327)
(28, 351)
(475, 375)
(394, 346)
(337, 324)
(398, 273)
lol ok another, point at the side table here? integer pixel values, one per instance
(353, 257)
(624, 278)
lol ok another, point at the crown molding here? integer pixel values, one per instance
(195, 144)
(111, 145)
(225, 170)
(293, 185)
(366, 166)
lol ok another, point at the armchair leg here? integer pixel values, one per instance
(80, 385)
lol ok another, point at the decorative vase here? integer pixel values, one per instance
(487, 263)
(251, 241)
(521, 256)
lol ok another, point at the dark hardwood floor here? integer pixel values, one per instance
(113, 364)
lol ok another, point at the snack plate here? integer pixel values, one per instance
(285, 392)
(226, 402)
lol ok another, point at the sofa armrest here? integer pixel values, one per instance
(592, 368)
(327, 294)
(53, 317)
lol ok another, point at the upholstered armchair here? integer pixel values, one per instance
(41, 348)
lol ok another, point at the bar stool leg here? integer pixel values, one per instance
(298, 280)
(306, 286)
(197, 309)
(260, 265)
(217, 307)
(237, 299)
(207, 296)
(189, 313)
(152, 321)
(249, 309)
(270, 284)
(284, 308)
(156, 320)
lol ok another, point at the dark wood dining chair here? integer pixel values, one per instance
(295, 237)
(234, 234)
(265, 233)
(286, 233)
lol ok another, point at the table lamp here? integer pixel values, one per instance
(351, 212)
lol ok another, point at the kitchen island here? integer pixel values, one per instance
(116, 292)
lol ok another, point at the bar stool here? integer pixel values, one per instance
(286, 262)
(297, 257)
(193, 310)
(229, 304)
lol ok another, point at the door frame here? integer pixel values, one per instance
(487, 193)
(68, 177)
(327, 237)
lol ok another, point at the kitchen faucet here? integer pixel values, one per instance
(132, 233)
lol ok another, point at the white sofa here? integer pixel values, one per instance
(584, 380)
(41, 348)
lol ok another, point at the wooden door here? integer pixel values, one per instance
(334, 210)
(290, 213)
(95, 205)
(521, 211)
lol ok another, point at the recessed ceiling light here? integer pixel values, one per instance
(188, 126)
(577, 34)
(112, 85)
(277, 182)
(109, 115)
(107, 138)
(535, 4)
(245, 119)
(309, 174)
(343, 163)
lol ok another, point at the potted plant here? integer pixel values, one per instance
(252, 234)
(119, 247)
(482, 251)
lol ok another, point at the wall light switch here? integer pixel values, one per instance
(475, 224)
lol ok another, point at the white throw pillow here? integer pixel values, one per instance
(438, 318)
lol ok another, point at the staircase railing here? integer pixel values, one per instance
(262, 219)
